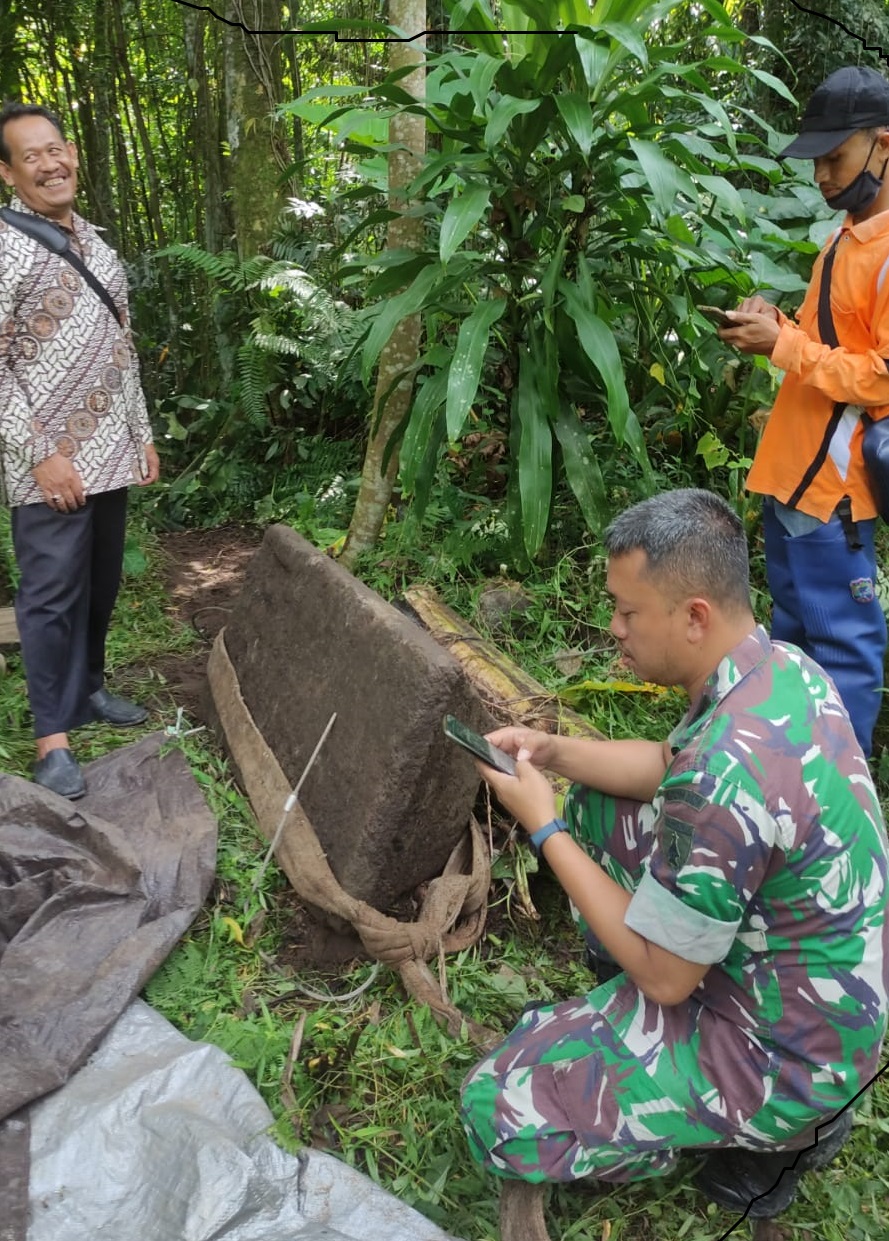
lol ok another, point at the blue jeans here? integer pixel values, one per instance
(825, 602)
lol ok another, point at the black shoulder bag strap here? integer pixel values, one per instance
(827, 332)
(53, 238)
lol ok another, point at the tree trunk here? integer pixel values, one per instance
(253, 89)
(213, 221)
(407, 136)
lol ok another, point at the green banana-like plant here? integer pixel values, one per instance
(581, 192)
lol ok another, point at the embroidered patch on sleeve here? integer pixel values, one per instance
(675, 838)
(862, 589)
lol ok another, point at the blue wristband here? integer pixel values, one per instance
(536, 839)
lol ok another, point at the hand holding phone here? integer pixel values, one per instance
(718, 316)
(478, 746)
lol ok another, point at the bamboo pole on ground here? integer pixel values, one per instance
(509, 693)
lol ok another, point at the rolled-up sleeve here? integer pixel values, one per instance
(713, 845)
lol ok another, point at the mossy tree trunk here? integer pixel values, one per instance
(253, 89)
(407, 137)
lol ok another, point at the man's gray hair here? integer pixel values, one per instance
(694, 543)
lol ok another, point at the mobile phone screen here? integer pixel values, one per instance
(478, 746)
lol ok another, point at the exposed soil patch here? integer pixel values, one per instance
(203, 571)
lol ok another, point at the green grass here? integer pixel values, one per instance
(375, 1079)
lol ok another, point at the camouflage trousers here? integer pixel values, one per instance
(611, 1084)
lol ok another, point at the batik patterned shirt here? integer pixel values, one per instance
(69, 377)
(770, 859)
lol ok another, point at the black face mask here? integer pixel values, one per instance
(861, 191)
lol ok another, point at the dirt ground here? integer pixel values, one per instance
(203, 572)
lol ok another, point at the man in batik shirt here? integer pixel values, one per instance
(74, 434)
(731, 884)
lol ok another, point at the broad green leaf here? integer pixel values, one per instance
(480, 27)
(574, 202)
(769, 275)
(429, 399)
(362, 125)
(677, 228)
(627, 37)
(599, 345)
(759, 163)
(466, 366)
(726, 195)
(575, 12)
(476, 10)
(769, 79)
(463, 213)
(629, 10)
(551, 277)
(577, 114)
(397, 308)
(581, 467)
(514, 19)
(667, 181)
(322, 92)
(593, 54)
(481, 79)
(719, 14)
(439, 174)
(720, 115)
(712, 449)
(314, 113)
(535, 465)
(505, 110)
(523, 12)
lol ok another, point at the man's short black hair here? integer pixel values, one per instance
(694, 544)
(12, 110)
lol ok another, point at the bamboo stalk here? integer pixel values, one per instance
(506, 689)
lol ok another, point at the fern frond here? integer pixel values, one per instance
(222, 268)
(269, 342)
(253, 383)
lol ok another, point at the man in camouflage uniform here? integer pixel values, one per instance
(735, 877)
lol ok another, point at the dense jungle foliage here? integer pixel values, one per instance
(580, 185)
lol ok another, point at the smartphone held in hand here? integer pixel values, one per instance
(718, 316)
(478, 746)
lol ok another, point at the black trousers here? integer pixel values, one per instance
(70, 565)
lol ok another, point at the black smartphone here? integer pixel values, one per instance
(478, 746)
(717, 316)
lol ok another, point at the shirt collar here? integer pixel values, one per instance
(867, 230)
(734, 666)
(80, 223)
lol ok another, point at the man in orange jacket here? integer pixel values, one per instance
(818, 509)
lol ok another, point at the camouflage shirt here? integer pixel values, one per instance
(770, 859)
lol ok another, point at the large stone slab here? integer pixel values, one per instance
(388, 795)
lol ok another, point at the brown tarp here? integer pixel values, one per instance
(93, 896)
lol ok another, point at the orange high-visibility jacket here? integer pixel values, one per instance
(817, 377)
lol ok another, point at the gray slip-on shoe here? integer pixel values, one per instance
(112, 709)
(59, 771)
